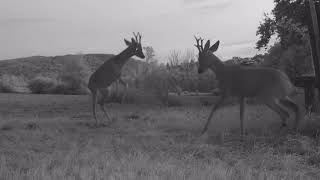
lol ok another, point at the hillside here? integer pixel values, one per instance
(51, 66)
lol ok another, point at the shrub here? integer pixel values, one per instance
(158, 82)
(116, 94)
(65, 88)
(11, 83)
(42, 85)
(5, 86)
(74, 78)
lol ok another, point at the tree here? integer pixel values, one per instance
(149, 56)
(174, 58)
(288, 21)
(149, 53)
(295, 60)
(284, 14)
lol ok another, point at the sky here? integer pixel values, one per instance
(59, 27)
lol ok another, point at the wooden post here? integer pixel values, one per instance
(308, 83)
(314, 34)
(315, 40)
(309, 97)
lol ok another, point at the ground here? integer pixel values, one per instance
(52, 137)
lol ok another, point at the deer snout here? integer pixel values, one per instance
(141, 55)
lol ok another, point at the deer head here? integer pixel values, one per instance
(205, 54)
(135, 45)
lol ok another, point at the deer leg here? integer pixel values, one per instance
(125, 91)
(105, 112)
(102, 102)
(94, 101)
(293, 106)
(215, 107)
(241, 113)
(274, 105)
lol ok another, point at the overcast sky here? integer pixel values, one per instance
(58, 27)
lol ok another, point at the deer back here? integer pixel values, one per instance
(254, 82)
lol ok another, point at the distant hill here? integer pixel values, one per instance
(30, 67)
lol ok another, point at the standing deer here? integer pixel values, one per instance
(113, 91)
(269, 86)
(110, 71)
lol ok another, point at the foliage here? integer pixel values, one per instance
(72, 80)
(184, 70)
(69, 74)
(149, 54)
(42, 85)
(117, 92)
(265, 30)
(11, 83)
(254, 61)
(159, 82)
(292, 51)
(295, 60)
(291, 12)
(74, 77)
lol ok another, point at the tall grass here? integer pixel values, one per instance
(146, 142)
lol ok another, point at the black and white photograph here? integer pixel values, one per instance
(160, 90)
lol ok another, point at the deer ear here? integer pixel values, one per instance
(214, 47)
(133, 41)
(128, 43)
(207, 45)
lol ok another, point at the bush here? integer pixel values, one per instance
(74, 78)
(115, 94)
(64, 88)
(42, 85)
(6, 86)
(158, 82)
(11, 83)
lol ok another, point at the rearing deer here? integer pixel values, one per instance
(110, 71)
(269, 86)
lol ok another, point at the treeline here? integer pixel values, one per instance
(290, 52)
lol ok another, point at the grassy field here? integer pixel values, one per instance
(51, 137)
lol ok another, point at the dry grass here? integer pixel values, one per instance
(51, 137)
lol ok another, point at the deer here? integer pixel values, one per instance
(110, 72)
(268, 86)
(113, 90)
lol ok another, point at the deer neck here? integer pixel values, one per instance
(124, 56)
(216, 65)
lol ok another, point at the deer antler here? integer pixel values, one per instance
(137, 37)
(199, 44)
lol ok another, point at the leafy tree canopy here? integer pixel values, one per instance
(288, 20)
